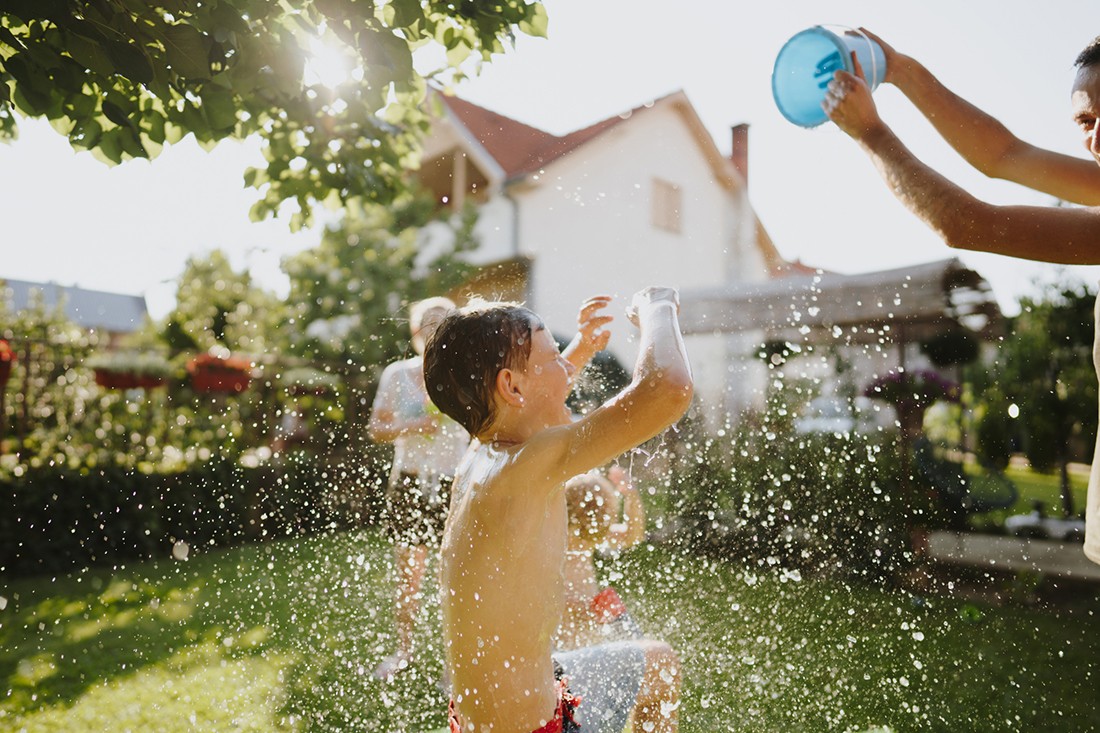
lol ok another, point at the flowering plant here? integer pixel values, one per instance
(7, 360)
(918, 388)
(213, 363)
(131, 362)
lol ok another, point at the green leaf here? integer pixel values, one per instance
(115, 114)
(219, 107)
(109, 149)
(405, 13)
(32, 86)
(88, 54)
(62, 125)
(173, 132)
(537, 22)
(130, 61)
(188, 51)
(86, 135)
(131, 143)
(458, 53)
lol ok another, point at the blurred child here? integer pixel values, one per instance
(594, 613)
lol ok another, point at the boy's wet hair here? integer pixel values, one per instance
(591, 501)
(467, 351)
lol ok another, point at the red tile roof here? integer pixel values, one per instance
(520, 148)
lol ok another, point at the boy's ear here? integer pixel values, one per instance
(508, 388)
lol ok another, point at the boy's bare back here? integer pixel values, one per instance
(501, 569)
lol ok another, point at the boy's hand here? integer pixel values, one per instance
(590, 338)
(590, 323)
(651, 296)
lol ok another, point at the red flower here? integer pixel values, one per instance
(6, 351)
(210, 362)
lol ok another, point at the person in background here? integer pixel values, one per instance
(426, 448)
(595, 613)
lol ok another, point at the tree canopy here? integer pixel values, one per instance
(329, 85)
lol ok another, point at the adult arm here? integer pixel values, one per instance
(984, 142)
(1048, 234)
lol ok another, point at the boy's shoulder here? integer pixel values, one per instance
(491, 464)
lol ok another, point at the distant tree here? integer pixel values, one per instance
(1048, 373)
(217, 305)
(329, 85)
(349, 295)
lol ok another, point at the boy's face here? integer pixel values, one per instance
(549, 380)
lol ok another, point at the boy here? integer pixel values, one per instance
(496, 370)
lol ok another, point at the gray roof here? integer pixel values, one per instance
(915, 302)
(114, 312)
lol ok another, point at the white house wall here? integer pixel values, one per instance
(587, 224)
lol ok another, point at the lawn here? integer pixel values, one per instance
(1033, 486)
(282, 637)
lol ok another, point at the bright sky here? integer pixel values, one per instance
(69, 219)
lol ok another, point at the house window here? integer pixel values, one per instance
(667, 200)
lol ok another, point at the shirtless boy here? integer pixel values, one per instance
(496, 370)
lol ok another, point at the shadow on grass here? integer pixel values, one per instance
(316, 608)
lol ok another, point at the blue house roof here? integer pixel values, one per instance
(113, 312)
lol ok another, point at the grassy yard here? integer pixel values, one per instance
(1034, 486)
(282, 637)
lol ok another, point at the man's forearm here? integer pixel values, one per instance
(1042, 233)
(935, 200)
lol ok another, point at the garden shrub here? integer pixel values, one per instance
(54, 520)
(829, 502)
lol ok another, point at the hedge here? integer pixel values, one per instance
(54, 520)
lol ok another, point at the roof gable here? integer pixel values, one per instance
(519, 148)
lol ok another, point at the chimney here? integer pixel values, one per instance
(739, 152)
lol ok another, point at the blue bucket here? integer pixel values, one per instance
(806, 64)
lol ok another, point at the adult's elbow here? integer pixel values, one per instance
(969, 225)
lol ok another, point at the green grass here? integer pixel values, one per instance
(1034, 486)
(282, 637)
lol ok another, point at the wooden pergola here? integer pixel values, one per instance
(904, 305)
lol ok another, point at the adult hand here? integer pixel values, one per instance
(849, 104)
(894, 60)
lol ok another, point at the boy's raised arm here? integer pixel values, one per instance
(657, 396)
